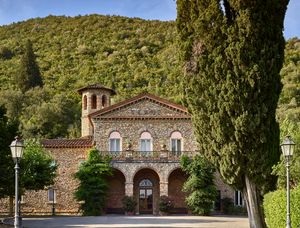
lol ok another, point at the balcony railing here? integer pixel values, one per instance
(148, 155)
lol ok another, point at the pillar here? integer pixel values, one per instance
(163, 188)
(129, 188)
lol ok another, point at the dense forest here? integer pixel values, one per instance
(130, 55)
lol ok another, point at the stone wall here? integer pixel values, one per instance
(160, 131)
(36, 202)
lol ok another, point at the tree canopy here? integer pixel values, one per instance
(28, 76)
(233, 52)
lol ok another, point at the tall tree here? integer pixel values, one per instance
(93, 186)
(29, 75)
(37, 166)
(8, 132)
(233, 52)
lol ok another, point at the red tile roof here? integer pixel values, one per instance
(96, 86)
(84, 142)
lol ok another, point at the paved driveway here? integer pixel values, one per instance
(137, 221)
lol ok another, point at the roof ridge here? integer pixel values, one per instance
(137, 98)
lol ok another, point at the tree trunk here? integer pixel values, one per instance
(11, 206)
(254, 206)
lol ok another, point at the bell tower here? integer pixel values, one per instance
(94, 98)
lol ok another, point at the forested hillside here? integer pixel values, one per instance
(130, 55)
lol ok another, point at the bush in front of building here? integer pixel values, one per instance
(165, 204)
(228, 207)
(93, 186)
(200, 184)
(275, 208)
(129, 204)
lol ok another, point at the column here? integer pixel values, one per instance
(129, 188)
(163, 188)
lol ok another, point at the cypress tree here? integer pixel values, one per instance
(232, 53)
(29, 75)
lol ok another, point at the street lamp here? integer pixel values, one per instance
(53, 202)
(17, 147)
(287, 148)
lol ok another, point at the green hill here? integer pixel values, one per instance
(130, 55)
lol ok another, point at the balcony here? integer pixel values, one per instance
(159, 156)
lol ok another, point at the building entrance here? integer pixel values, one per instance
(145, 197)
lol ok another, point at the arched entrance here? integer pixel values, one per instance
(146, 191)
(176, 181)
(116, 192)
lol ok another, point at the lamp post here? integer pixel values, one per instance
(53, 202)
(287, 148)
(17, 148)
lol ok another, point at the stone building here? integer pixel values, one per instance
(146, 135)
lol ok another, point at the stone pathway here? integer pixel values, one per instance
(137, 221)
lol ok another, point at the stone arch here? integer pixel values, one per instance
(172, 170)
(147, 197)
(116, 191)
(146, 129)
(176, 179)
(146, 167)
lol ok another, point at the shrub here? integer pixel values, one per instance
(93, 186)
(200, 184)
(227, 205)
(129, 203)
(275, 208)
(165, 204)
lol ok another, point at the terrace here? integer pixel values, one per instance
(159, 156)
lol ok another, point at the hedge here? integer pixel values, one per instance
(275, 208)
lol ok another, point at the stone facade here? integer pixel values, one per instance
(132, 167)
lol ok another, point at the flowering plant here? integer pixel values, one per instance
(165, 204)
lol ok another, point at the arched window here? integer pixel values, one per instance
(145, 183)
(94, 101)
(115, 142)
(146, 144)
(84, 102)
(176, 143)
(104, 101)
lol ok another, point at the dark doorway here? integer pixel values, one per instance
(145, 197)
(146, 191)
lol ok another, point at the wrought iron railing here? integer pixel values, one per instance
(148, 155)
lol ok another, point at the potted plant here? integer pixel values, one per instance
(129, 204)
(165, 205)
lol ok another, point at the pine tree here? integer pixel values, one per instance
(233, 52)
(29, 75)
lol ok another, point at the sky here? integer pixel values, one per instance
(20, 10)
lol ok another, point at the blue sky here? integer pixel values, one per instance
(19, 10)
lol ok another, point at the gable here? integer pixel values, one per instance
(145, 106)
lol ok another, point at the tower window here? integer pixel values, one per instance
(94, 101)
(104, 101)
(84, 102)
